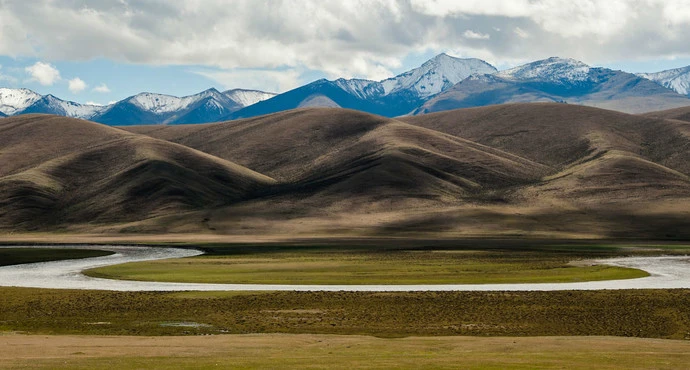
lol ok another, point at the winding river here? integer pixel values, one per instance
(665, 273)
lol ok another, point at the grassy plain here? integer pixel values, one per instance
(644, 313)
(376, 265)
(16, 256)
(308, 351)
(42, 328)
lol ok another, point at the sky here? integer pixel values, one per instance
(106, 50)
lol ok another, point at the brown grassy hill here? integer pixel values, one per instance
(681, 114)
(549, 170)
(601, 157)
(60, 171)
(342, 154)
(561, 135)
(525, 169)
(280, 145)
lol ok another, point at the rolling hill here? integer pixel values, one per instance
(544, 169)
(83, 172)
(681, 114)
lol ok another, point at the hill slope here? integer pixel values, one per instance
(681, 114)
(89, 173)
(550, 170)
(602, 150)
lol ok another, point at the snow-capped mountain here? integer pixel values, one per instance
(16, 100)
(436, 75)
(555, 70)
(320, 93)
(160, 103)
(144, 108)
(441, 83)
(246, 98)
(150, 108)
(677, 79)
(363, 89)
(391, 97)
(50, 104)
(558, 80)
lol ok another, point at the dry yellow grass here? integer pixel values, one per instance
(332, 351)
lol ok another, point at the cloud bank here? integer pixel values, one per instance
(359, 38)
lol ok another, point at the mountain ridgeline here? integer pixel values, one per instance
(442, 83)
(145, 108)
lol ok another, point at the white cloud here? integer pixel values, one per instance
(94, 103)
(472, 35)
(508, 8)
(102, 88)
(340, 38)
(44, 73)
(76, 85)
(521, 33)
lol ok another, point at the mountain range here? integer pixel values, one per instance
(538, 169)
(145, 108)
(442, 83)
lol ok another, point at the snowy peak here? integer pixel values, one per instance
(549, 70)
(159, 103)
(16, 100)
(246, 98)
(362, 89)
(436, 75)
(51, 104)
(675, 79)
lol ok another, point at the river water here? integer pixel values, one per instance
(665, 273)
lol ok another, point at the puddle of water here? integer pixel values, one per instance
(184, 324)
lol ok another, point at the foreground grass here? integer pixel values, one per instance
(332, 351)
(646, 313)
(16, 256)
(376, 265)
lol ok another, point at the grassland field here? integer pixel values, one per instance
(388, 264)
(316, 351)
(566, 329)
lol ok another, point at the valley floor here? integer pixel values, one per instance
(634, 329)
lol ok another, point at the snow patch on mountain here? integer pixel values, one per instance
(436, 75)
(160, 103)
(72, 109)
(363, 89)
(16, 100)
(549, 70)
(246, 98)
(50, 104)
(675, 79)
